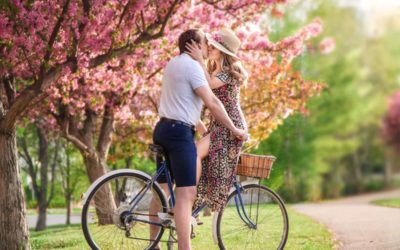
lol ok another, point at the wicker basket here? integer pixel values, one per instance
(255, 165)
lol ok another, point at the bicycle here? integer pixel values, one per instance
(254, 216)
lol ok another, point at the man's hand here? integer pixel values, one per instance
(240, 134)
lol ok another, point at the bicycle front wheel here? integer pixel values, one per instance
(118, 212)
(261, 223)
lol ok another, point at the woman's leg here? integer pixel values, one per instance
(202, 147)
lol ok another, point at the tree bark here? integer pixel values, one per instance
(13, 227)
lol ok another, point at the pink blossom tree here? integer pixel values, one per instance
(391, 135)
(91, 66)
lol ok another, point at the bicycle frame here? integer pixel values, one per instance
(164, 169)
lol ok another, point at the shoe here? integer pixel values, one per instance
(167, 219)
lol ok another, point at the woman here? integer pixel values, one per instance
(218, 151)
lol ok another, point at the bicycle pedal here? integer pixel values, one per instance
(167, 223)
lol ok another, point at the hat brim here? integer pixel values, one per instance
(219, 46)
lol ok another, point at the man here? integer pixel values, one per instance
(184, 90)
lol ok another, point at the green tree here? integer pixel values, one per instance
(331, 151)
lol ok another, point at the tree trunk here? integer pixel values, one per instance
(42, 196)
(13, 227)
(41, 222)
(359, 187)
(96, 169)
(69, 208)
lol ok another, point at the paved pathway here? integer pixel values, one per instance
(53, 219)
(357, 224)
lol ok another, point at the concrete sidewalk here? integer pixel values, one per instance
(357, 224)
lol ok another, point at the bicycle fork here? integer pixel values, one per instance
(240, 208)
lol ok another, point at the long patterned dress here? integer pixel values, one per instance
(219, 167)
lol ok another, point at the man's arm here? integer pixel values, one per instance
(217, 109)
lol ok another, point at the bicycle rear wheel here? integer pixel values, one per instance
(265, 209)
(107, 206)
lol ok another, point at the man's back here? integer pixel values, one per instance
(182, 76)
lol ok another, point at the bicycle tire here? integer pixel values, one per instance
(223, 241)
(142, 177)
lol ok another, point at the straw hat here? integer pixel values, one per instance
(226, 41)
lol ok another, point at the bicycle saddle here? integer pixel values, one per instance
(156, 148)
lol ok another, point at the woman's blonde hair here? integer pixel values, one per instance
(231, 65)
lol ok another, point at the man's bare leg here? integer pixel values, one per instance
(185, 197)
(155, 207)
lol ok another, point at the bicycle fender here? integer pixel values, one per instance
(113, 172)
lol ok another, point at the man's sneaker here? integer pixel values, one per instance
(167, 219)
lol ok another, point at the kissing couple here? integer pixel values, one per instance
(206, 72)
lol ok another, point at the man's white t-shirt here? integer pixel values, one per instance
(182, 76)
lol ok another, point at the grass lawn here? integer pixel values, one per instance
(304, 233)
(388, 202)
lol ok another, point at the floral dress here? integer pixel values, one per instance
(219, 167)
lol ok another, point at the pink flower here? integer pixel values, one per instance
(217, 37)
(327, 45)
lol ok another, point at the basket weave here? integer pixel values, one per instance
(255, 165)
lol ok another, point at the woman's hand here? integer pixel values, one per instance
(201, 128)
(195, 51)
(241, 134)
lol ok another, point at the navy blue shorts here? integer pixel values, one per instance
(180, 149)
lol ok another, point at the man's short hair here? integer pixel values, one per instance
(186, 37)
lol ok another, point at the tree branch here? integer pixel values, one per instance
(154, 73)
(107, 129)
(27, 95)
(145, 36)
(88, 127)
(142, 19)
(124, 11)
(53, 37)
(154, 103)
(2, 110)
(9, 85)
(31, 169)
(44, 80)
(78, 143)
